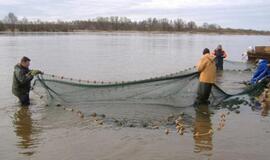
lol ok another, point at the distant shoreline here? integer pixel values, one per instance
(134, 31)
(11, 24)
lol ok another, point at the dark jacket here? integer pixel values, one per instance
(21, 81)
(220, 55)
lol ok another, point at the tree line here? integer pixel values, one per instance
(12, 24)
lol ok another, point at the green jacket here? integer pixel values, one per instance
(21, 81)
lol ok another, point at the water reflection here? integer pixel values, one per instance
(265, 109)
(202, 131)
(26, 131)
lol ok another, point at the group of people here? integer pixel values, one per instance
(207, 67)
(211, 62)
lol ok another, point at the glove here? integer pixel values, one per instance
(35, 72)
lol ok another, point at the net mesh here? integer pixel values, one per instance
(141, 102)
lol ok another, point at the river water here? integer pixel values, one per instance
(41, 132)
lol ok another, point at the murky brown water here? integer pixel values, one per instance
(41, 132)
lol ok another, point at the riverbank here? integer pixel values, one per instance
(134, 31)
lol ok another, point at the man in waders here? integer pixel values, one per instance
(207, 69)
(220, 55)
(22, 77)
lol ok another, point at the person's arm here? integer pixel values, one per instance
(225, 55)
(201, 65)
(258, 71)
(262, 72)
(22, 78)
(262, 75)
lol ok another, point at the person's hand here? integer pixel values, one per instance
(39, 72)
(268, 65)
(35, 72)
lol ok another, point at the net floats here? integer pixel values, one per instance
(155, 127)
(80, 114)
(180, 128)
(69, 109)
(103, 115)
(58, 105)
(99, 121)
(167, 131)
(237, 111)
(210, 132)
(94, 114)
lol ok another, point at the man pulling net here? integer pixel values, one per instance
(22, 77)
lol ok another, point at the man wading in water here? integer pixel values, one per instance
(220, 55)
(207, 69)
(22, 78)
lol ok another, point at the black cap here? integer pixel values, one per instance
(25, 59)
(206, 50)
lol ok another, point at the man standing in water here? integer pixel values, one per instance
(22, 78)
(207, 69)
(220, 55)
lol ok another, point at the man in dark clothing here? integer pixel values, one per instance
(220, 55)
(22, 77)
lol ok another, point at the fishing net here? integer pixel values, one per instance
(158, 96)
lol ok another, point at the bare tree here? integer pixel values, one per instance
(2, 26)
(24, 20)
(205, 26)
(11, 18)
(191, 25)
(12, 23)
(179, 24)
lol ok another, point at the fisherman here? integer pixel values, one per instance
(22, 77)
(261, 72)
(220, 55)
(207, 69)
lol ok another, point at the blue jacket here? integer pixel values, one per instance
(261, 72)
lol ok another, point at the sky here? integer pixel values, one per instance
(244, 14)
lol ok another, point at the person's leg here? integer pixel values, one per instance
(200, 92)
(203, 93)
(24, 99)
(207, 90)
(221, 64)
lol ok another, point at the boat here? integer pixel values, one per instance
(258, 52)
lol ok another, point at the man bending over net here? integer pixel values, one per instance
(262, 71)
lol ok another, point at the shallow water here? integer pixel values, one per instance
(41, 132)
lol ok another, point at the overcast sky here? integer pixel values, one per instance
(254, 14)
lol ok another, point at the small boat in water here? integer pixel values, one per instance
(258, 52)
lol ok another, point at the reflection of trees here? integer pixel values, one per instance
(202, 126)
(25, 130)
(265, 109)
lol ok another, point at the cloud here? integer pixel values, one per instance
(173, 4)
(9, 2)
(238, 14)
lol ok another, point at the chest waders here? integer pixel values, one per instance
(219, 59)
